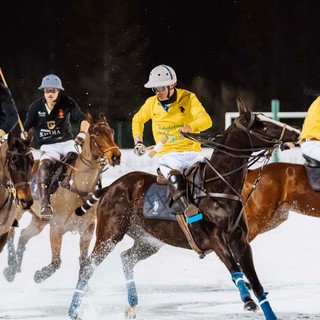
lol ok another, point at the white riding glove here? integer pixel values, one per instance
(79, 140)
(139, 149)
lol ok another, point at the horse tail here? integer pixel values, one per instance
(80, 211)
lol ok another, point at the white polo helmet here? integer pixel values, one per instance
(161, 75)
(51, 81)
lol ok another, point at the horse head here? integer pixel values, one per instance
(102, 140)
(262, 131)
(18, 164)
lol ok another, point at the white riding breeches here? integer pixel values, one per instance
(311, 149)
(178, 160)
(57, 150)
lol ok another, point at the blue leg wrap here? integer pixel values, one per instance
(266, 308)
(194, 218)
(76, 300)
(132, 293)
(237, 278)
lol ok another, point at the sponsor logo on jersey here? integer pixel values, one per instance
(51, 124)
(60, 114)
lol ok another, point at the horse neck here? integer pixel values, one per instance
(225, 163)
(87, 169)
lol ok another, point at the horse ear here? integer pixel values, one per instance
(102, 117)
(89, 118)
(30, 137)
(242, 108)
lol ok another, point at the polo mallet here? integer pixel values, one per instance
(5, 84)
(158, 146)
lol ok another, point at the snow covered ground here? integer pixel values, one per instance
(173, 284)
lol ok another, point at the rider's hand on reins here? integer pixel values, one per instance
(286, 146)
(139, 149)
(79, 139)
(185, 129)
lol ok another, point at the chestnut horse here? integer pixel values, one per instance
(283, 187)
(16, 163)
(98, 151)
(223, 228)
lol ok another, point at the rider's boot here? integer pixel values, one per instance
(178, 186)
(43, 179)
(68, 161)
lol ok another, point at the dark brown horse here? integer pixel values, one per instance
(16, 163)
(119, 212)
(99, 150)
(283, 187)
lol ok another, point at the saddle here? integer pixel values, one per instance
(158, 202)
(313, 172)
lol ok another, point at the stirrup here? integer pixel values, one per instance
(46, 211)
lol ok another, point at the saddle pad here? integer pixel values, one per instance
(313, 174)
(155, 205)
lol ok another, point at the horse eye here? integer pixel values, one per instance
(14, 158)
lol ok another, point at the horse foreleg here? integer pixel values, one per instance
(243, 252)
(223, 251)
(10, 271)
(34, 228)
(49, 270)
(141, 249)
(102, 248)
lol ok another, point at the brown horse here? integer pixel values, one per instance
(283, 187)
(223, 228)
(16, 162)
(99, 150)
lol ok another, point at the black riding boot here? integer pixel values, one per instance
(69, 160)
(43, 179)
(177, 186)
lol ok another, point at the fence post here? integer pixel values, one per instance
(275, 108)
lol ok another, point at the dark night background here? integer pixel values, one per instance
(104, 50)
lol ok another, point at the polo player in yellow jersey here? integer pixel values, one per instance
(172, 111)
(310, 135)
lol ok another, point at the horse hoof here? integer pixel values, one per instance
(251, 306)
(130, 313)
(9, 274)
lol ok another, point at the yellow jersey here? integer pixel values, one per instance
(311, 125)
(185, 110)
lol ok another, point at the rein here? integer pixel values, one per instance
(266, 153)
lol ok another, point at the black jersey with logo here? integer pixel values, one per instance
(56, 126)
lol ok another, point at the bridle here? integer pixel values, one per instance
(102, 163)
(227, 150)
(260, 136)
(11, 153)
(11, 186)
(103, 159)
